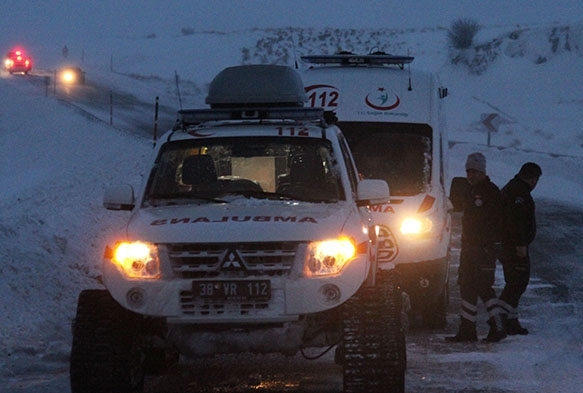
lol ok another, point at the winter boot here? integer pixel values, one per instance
(497, 331)
(512, 327)
(466, 333)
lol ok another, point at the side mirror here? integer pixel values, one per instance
(458, 189)
(372, 192)
(119, 198)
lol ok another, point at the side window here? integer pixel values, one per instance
(352, 172)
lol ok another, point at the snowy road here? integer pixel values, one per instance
(550, 359)
(112, 106)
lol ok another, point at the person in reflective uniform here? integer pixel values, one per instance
(482, 213)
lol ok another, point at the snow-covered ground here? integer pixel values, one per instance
(56, 162)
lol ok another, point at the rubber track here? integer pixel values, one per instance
(374, 340)
(103, 357)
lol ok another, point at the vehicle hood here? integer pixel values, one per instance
(235, 222)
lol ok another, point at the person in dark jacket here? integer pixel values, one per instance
(482, 213)
(519, 230)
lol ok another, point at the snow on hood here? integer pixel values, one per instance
(235, 222)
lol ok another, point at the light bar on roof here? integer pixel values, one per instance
(197, 116)
(352, 59)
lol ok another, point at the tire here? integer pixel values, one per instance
(159, 361)
(435, 314)
(373, 347)
(105, 352)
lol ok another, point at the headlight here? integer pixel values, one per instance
(68, 76)
(137, 259)
(416, 226)
(329, 256)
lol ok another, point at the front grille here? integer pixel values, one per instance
(212, 260)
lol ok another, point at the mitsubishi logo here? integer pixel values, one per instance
(232, 261)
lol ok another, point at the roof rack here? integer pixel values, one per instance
(351, 59)
(191, 117)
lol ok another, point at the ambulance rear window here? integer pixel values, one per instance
(399, 153)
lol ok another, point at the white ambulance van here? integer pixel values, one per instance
(393, 118)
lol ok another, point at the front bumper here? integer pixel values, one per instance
(18, 68)
(290, 298)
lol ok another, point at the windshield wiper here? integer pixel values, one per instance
(278, 196)
(259, 194)
(180, 198)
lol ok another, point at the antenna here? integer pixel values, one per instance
(294, 47)
(156, 108)
(178, 89)
(409, 72)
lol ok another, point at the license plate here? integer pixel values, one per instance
(233, 290)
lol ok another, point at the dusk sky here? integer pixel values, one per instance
(34, 19)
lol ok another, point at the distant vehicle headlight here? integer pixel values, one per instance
(68, 76)
(329, 256)
(72, 75)
(136, 259)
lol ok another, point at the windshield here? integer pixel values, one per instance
(214, 170)
(399, 153)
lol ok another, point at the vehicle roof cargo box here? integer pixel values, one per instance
(256, 85)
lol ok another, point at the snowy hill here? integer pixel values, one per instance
(57, 162)
(499, 57)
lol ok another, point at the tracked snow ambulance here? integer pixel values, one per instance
(251, 233)
(393, 119)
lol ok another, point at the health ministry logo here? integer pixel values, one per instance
(382, 100)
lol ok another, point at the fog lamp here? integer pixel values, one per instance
(330, 294)
(136, 297)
